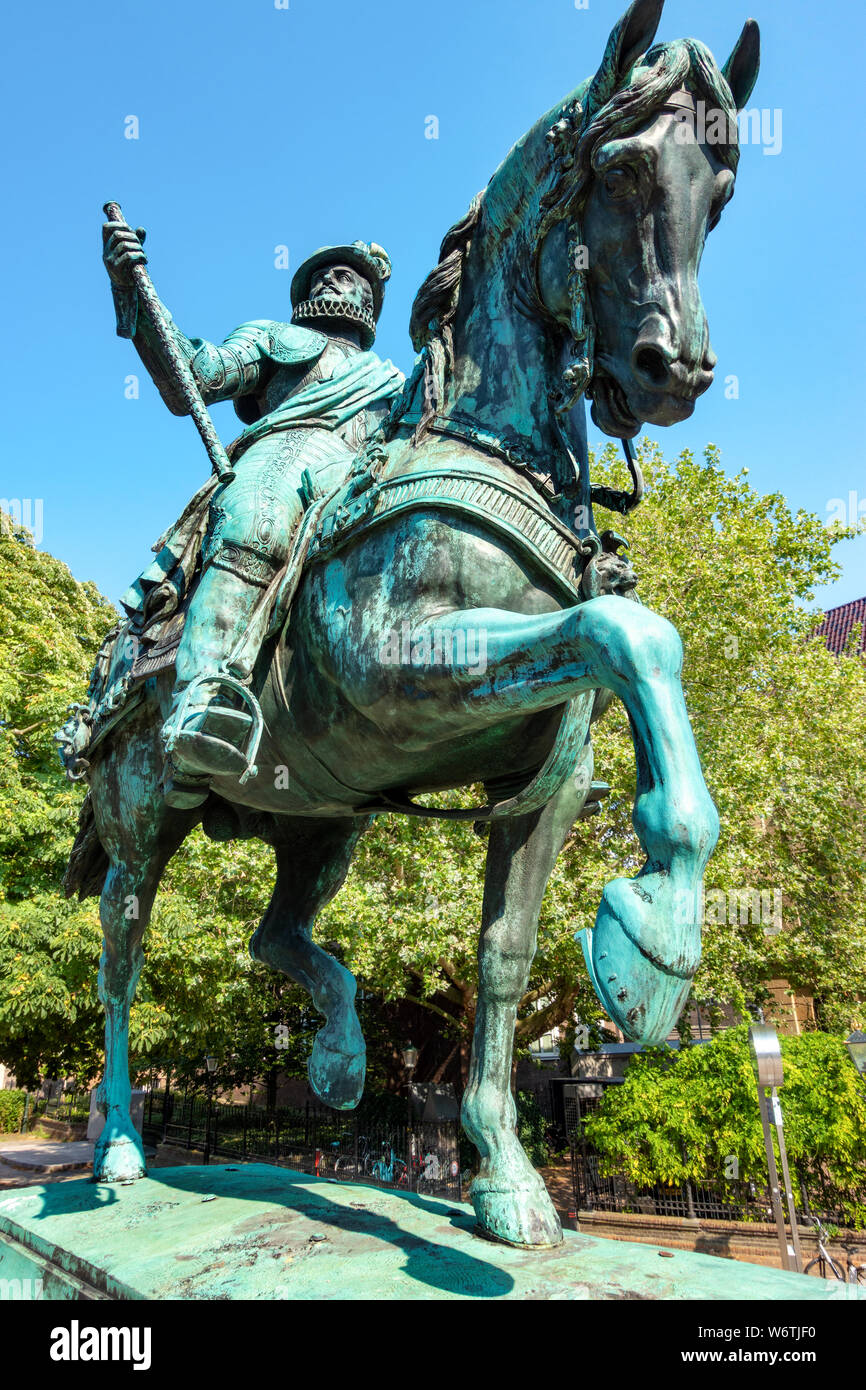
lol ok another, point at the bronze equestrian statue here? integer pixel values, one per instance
(464, 520)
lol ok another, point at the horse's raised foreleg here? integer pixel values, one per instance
(510, 1199)
(313, 858)
(645, 947)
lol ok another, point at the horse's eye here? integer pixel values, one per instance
(620, 183)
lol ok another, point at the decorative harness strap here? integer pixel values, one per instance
(501, 506)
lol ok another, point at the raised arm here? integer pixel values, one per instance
(221, 372)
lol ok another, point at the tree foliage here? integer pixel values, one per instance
(779, 723)
(50, 629)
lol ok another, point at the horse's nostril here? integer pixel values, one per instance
(651, 363)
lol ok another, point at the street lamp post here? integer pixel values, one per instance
(211, 1063)
(856, 1045)
(769, 1075)
(410, 1062)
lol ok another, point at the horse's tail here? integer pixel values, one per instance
(88, 861)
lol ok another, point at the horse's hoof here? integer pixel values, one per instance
(337, 1077)
(643, 952)
(523, 1216)
(118, 1160)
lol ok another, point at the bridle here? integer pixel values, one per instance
(564, 139)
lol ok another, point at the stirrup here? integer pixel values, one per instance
(249, 699)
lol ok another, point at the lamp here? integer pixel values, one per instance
(211, 1063)
(856, 1045)
(769, 1075)
(410, 1062)
(766, 1055)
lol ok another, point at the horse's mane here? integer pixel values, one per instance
(433, 311)
(572, 134)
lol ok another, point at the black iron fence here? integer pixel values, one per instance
(723, 1200)
(375, 1144)
(729, 1201)
(57, 1103)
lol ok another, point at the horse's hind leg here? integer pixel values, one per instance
(313, 858)
(510, 1199)
(140, 833)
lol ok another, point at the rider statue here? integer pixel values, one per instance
(309, 392)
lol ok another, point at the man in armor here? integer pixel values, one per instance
(309, 393)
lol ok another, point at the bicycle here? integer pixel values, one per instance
(823, 1261)
(324, 1160)
(332, 1159)
(347, 1164)
(388, 1168)
(423, 1169)
(432, 1169)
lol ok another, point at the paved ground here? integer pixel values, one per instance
(47, 1156)
(19, 1177)
(558, 1182)
(25, 1159)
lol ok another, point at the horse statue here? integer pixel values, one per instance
(454, 618)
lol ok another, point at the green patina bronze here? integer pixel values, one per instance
(261, 1232)
(388, 591)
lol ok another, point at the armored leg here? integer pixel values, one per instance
(210, 727)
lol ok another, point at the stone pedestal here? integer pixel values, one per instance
(262, 1232)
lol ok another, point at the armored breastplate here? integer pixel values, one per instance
(286, 380)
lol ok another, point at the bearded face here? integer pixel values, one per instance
(341, 282)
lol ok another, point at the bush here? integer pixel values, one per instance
(11, 1111)
(688, 1114)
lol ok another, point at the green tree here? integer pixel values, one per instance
(50, 629)
(779, 723)
(200, 991)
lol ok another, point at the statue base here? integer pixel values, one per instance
(262, 1232)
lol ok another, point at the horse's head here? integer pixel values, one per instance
(590, 233)
(644, 159)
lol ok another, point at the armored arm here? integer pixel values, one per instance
(223, 372)
(226, 372)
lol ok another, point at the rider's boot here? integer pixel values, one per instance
(210, 727)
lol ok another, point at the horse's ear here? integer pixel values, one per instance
(741, 70)
(629, 38)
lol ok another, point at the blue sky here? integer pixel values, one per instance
(261, 126)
